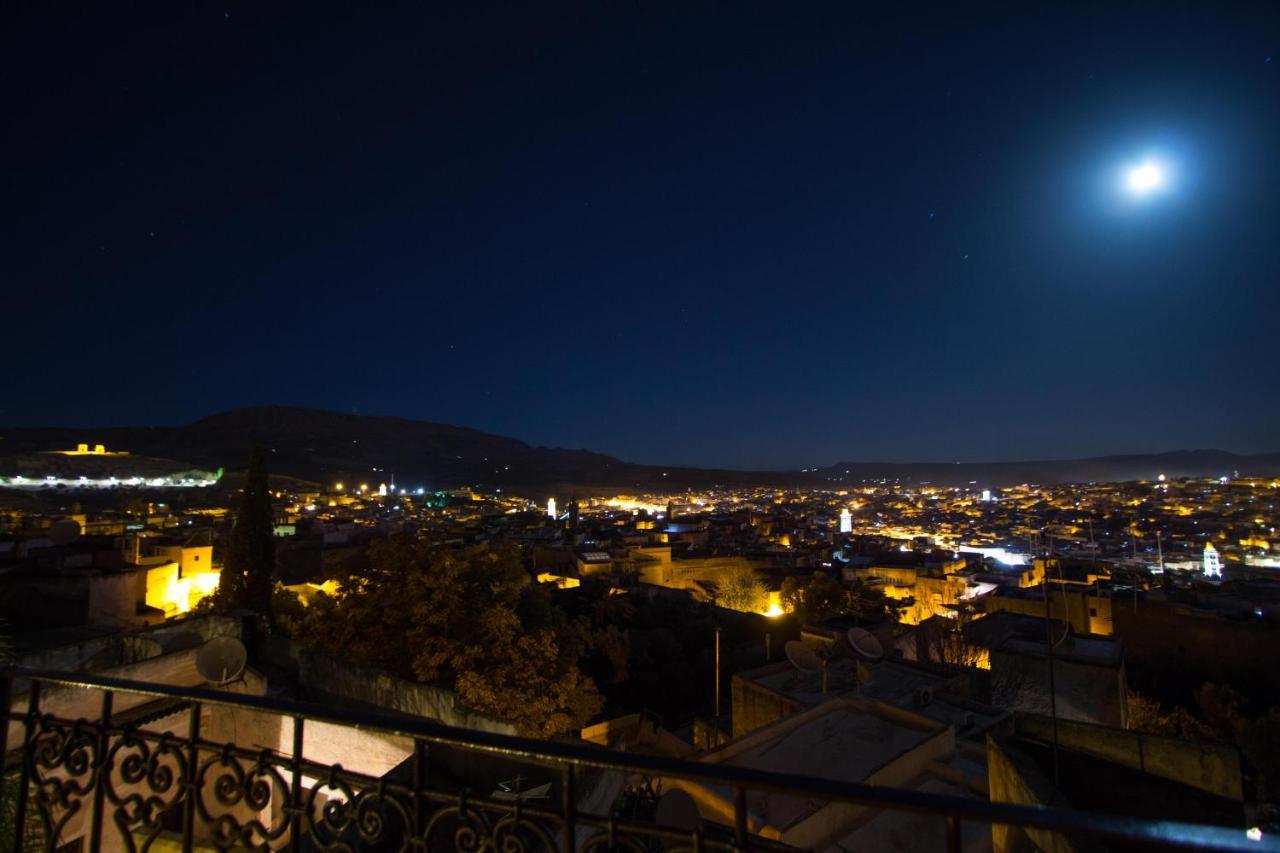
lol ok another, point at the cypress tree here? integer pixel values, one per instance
(248, 576)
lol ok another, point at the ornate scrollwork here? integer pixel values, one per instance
(153, 776)
(227, 796)
(610, 842)
(515, 833)
(469, 828)
(63, 762)
(349, 820)
(248, 790)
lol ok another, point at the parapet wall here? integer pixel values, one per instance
(1208, 766)
(328, 675)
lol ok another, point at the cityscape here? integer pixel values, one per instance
(651, 427)
(685, 623)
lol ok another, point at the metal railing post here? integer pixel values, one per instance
(295, 787)
(740, 817)
(569, 840)
(191, 780)
(100, 773)
(6, 702)
(953, 834)
(24, 776)
(419, 784)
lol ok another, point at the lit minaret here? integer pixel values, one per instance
(551, 508)
(846, 521)
(1212, 562)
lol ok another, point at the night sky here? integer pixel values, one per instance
(731, 236)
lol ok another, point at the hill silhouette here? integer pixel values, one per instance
(325, 447)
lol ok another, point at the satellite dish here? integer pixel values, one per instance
(803, 658)
(221, 660)
(64, 531)
(677, 810)
(865, 644)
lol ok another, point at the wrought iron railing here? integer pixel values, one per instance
(125, 784)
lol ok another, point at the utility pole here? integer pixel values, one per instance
(717, 679)
(1053, 693)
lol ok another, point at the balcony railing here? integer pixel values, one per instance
(118, 779)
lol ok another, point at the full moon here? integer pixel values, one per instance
(1145, 178)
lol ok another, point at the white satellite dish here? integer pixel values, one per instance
(804, 658)
(865, 644)
(64, 531)
(677, 810)
(221, 660)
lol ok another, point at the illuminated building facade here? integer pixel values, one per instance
(1212, 562)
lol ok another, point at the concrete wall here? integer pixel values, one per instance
(1013, 778)
(755, 706)
(1197, 645)
(178, 669)
(326, 675)
(1211, 767)
(1079, 606)
(834, 820)
(115, 649)
(633, 730)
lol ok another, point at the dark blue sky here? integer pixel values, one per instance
(738, 236)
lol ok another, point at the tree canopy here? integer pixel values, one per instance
(469, 622)
(743, 589)
(820, 596)
(248, 575)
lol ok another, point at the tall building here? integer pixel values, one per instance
(551, 508)
(846, 521)
(1212, 562)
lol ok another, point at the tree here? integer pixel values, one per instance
(534, 684)
(468, 622)
(815, 598)
(1221, 710)
(741, 588)
(248, 574)
(868, 603)
(942, 640)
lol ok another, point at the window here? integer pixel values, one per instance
(1093, 611)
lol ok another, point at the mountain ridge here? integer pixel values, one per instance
(326, 446)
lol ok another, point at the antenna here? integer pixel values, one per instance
(864, 644)
(64, 531)
(221, 660)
